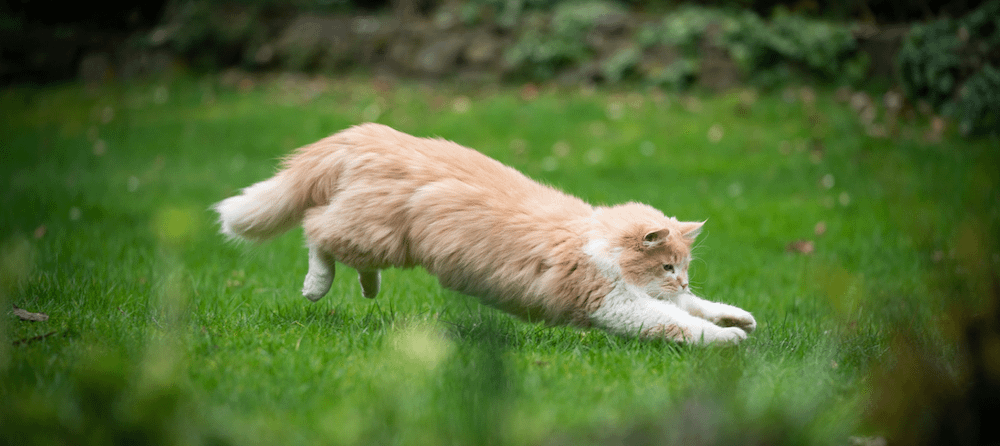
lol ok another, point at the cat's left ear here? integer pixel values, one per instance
(691, 229)
(655, 237)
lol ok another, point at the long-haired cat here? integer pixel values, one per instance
(372, 198)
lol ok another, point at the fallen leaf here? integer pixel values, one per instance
(715, 133)
(29, 316)
(820, 228)
(801, 247)
(529, 92)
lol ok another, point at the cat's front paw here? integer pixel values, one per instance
(725, 336)
(738, 319)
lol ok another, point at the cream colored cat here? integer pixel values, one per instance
(372, 198)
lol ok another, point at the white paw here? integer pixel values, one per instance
(736, 318)
(316, 286)
(726, 336)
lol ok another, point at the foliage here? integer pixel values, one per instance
(976, 106)
(930, 61)
(952, 64)
(683, 28)
(510, 12)
(546, 46)
(620, 64)
(211, 36)
(822, 48)
(538, 39)
(768, 51)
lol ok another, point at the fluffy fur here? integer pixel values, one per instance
(372, 198)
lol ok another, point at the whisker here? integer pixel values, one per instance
(699, 259)
(700, 240)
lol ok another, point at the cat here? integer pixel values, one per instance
(371, 197)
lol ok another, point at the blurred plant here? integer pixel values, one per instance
(819, 48)
(104, 399)
(546, 47)
(927, 394)
(976, 106)
(952, 64)
(620, 64)
(211, 35)
(541, 55)
(509, 13)
(768, 52)
(683, 28)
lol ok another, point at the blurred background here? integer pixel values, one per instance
(937, 57)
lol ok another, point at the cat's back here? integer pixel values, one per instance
(389, 153)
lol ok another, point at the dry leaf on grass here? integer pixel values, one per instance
(801, 247)
(820, 228)
(29, 316)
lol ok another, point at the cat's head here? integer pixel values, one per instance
(652, 251)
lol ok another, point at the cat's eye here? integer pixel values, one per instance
(668, 268)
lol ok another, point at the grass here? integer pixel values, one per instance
(160, 331)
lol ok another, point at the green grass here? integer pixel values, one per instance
(161, 331)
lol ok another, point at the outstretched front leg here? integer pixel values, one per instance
(718, 313)
(629, 311)
(319, 278)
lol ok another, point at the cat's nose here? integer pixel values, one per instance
(684, 285)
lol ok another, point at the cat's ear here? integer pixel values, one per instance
(654, 238)
(691, 229)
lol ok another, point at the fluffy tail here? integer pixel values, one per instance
(265, 209)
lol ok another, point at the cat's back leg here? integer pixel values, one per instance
(319, 278)
(370, 282)
(331, 240)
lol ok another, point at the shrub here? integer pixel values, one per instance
(953, 65)
(976, 107)
(544, 48)
(211, 36)
(768, 52)
(821, 48)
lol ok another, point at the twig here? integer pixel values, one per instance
(33, 339)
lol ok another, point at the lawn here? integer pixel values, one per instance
(851, 251)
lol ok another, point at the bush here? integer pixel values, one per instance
(976, 107)
(767, 52)
(211, 36)
(545, 48)
(953, 65)
(820, 48)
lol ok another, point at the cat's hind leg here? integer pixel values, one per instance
(370, 282)
(319, 278)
